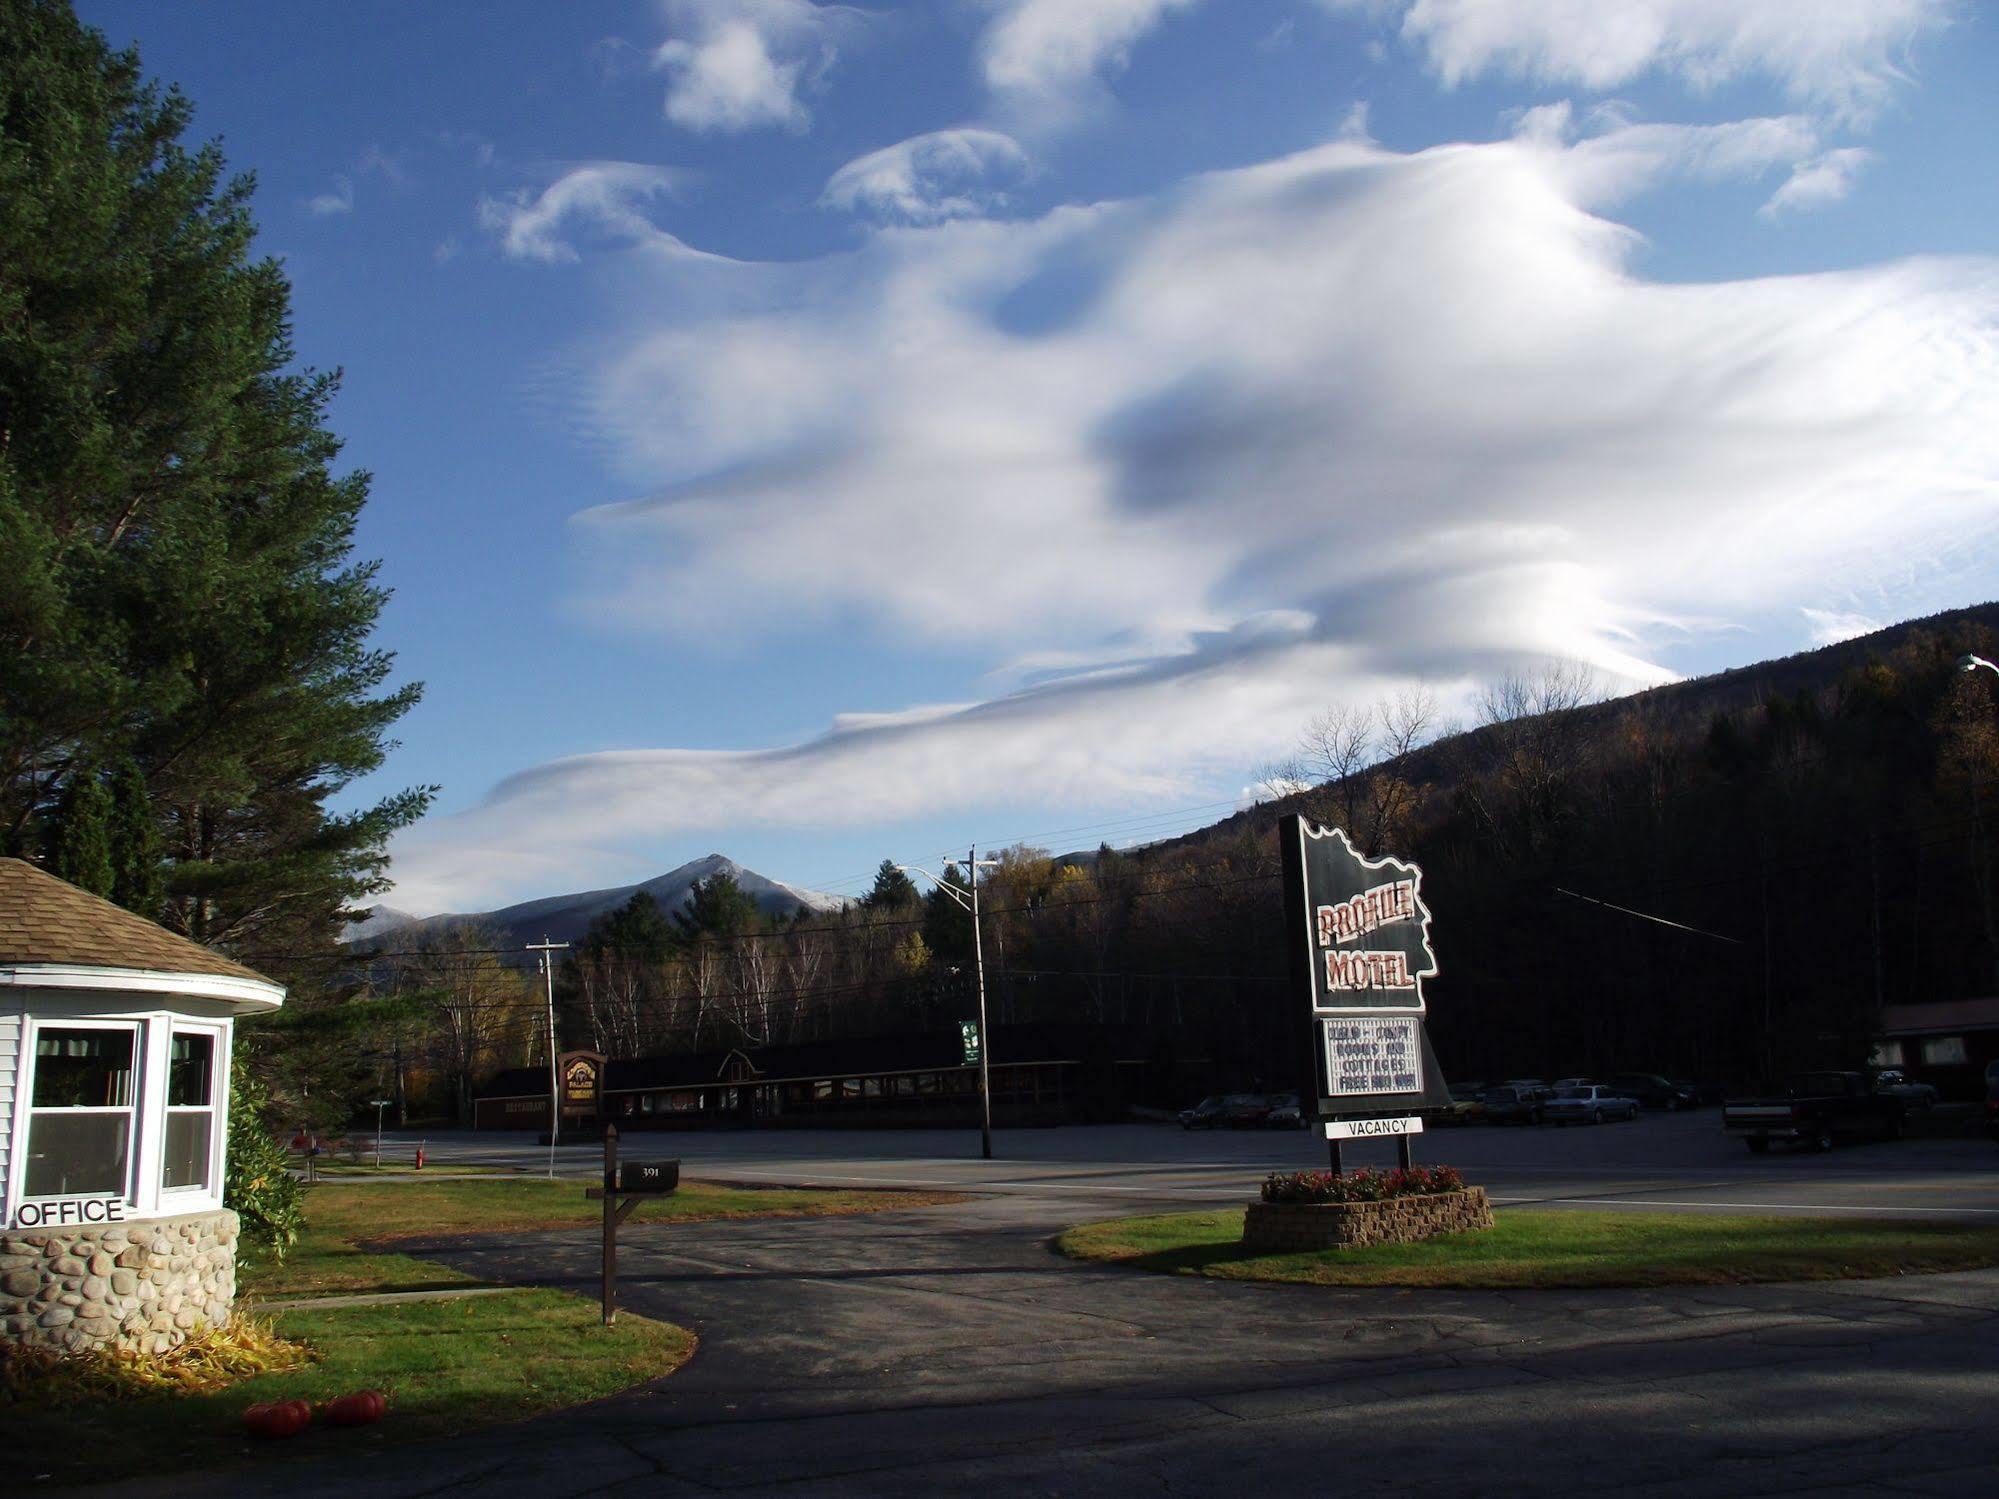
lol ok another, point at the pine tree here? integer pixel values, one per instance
(716, 907)
(136, 882)
(175, 542)
(81, 851)
(893, 890)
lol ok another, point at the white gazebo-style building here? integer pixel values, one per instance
(114, 1117)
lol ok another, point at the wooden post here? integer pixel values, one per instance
(610, 1224)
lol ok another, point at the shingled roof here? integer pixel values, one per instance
(47, 920)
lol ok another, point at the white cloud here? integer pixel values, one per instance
(1845, 56)
(1830, 627)
(609, 197)
(1313, 428)
(340, 199)
(1817, 182)
(736, 65)
(926, 179)
(1049, 57)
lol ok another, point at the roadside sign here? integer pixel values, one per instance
(1360, 950)
(1368, 1129)
(1369, 1054)
(968, 1034)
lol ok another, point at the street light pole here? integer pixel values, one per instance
(985, 1042)
(548, 950)
(973, 865)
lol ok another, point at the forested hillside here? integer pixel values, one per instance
(1817, 832)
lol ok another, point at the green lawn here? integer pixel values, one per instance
(1557, 1249)
(349, 1246)
(446, 1366)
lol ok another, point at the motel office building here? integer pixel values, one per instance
(115, 1039)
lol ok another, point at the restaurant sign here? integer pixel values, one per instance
(582, 1074)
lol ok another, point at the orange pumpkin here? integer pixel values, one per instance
(358, 1409)
(285, 1419)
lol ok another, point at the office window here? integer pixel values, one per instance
(80, 1111)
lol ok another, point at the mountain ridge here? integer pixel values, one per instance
(567, 917)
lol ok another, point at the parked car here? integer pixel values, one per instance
(1703, 1093)
(1652, 1090)
(1510, 1105)
(1574, 1082)
(1467, 1104)
(1817, 1109)
(1534, 1088)
(1204, 1115)
(1285, 1112)
(1588, 1104)
(1897, 1084)
(1245, 1110)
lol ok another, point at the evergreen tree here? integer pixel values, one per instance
(893, 890)
(637, 929)
(716, 907)
(136, 882)
(81, 851)
(947, 925)
(175, 542)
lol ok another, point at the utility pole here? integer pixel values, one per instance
(548, 950)
(985, 1041)
(972, 867)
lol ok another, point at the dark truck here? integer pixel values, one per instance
(1817, 1109)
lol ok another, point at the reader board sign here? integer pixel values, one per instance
(1370, 1054)
(1360, 951)
(1368, 1129)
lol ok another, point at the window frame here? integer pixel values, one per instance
(128, 1192)
(216, 1108)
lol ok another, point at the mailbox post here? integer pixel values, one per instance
(624, 1188)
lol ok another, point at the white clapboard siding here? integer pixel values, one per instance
(10, 1066)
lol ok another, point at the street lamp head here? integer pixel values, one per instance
(1969, 662)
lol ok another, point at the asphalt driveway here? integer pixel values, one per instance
(947, 1348)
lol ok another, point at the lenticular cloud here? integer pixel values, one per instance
(1305, 385)
(1309, 429)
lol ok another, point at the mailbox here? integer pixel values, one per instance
(647, 1176)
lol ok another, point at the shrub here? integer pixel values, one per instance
(1359, 1186)
(268, 1199)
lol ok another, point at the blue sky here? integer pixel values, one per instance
(820, 433)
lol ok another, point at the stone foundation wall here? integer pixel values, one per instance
(144, 1284)
(1290, 1227)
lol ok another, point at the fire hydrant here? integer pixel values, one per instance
(419, 1155)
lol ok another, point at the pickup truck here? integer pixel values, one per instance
(1817, 1109)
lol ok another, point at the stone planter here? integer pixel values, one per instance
(1293, 1227)
(144, 1284)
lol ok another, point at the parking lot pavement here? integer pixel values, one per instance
(947, 1347)
(1681, 1162)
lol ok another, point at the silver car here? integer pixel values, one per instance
(1592, 1105)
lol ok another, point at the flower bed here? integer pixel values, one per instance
(1360, 1186)
(1308, 1210)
